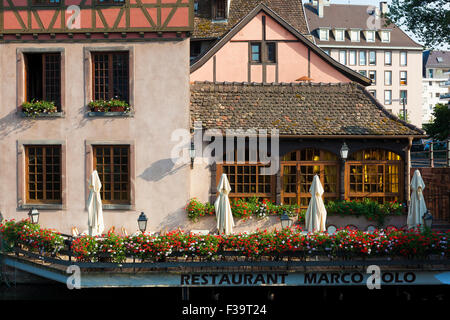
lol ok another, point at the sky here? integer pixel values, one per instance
(373, 3)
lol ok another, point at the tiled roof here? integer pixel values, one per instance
(295, 109)
(437, 59)
(204, 27)
(357, 17)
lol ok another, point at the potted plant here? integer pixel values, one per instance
(36, 107)
(112, 105)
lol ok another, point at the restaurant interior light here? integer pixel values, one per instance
(34, 215)
(142, 222)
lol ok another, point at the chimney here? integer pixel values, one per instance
(383, 7)
(320, 8)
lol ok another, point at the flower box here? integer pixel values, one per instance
(113, 107)
(38, 108)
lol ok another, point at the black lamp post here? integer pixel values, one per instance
(142, 222)
(344, 155)
(192, 154)
(286, 222)
(34, 215)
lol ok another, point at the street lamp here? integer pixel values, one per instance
(403, 101)
(192, 154)
(344, 151)
(34, 215)
(427, 219)
(286, 222)
(142, 222)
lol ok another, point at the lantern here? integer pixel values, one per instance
(142, 222)
(34, 215)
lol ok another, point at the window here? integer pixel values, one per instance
(220, 9)
(255, 52)
(43, 173)
(362, 58)
(363, 72)
(403, 96)
(438, 95)
(372, 58)
(327, 51)
(195, 48)
(388, 78)
(112, 163)
(323, 34)
(370, 36)
(343, 56)
(43, 77)
(430, 73)
(388, 58)
(403, 78)
(387, 97)
(196, 7)
(373, 92)
(352, 57)
(403, 58)
(340, 34)
(271, 52)
(374, 174)
(354, 35)
(297, 172)
(385, 36)
(110, 76)
(373, 76)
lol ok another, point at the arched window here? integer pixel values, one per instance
(297, 172)
(375, 174)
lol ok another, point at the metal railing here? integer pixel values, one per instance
(429, 153)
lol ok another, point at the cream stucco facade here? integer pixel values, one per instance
(159, 94)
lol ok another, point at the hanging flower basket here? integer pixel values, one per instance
(113, 105)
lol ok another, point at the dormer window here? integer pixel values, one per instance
(385, 36)
(324, 34)
(339, 34)
(219, 9)
(354, 35)
(370, 36)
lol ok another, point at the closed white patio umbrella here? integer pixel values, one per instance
(417, 206)
(95, 211)
(225, 222)
(316, 215)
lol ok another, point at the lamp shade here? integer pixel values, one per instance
(192, 151)
(142, 222)
(286, 222)
(344, 151)
(428, 219)
(34, 215)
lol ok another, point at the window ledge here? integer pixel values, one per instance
(219, 20)
(42, 206)
(117, 207)
(42, 115)
(110, 114)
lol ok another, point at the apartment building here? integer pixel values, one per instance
(358, 37)
(436, 81)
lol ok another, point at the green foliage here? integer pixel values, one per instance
(367, 208)
(196, 209)
(36, 107)
(427, 19)
(113, 105)
(439, 129)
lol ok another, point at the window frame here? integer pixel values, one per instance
(350, 58)
(366, 163)
(406, 58)
(374, 72)
(89, 72)
(327, 33)
(388, 81)
(22, 197)
(406, 78)
(89, 145)
(21, 78)
(388, 102)
(298, 163)
(259, 45)
(375, 60)
(345, 57)
(371, 32)
(360, 54)
(214, 9)
(358, 35)
(406, 97)
(388, 54)
(340, 31)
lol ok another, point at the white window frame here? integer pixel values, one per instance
(353, 33)
(386, 55)
(375, 58)
(382, 36)
(405, 54)
(327, 33)
(337, 32)
(388, 101)
(387, 80)
(352, 57)
(345, 57)
(372, 38)
(365, 57)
